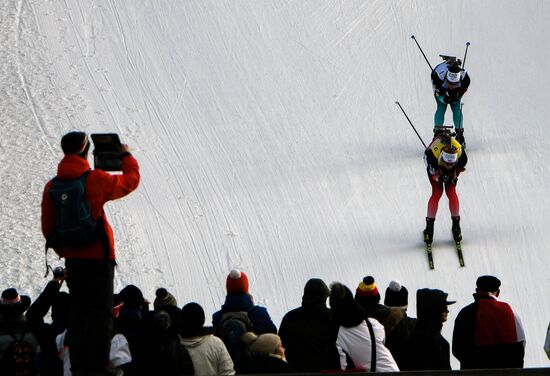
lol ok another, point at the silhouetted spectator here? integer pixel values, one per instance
(488, 333)
(428, 349)
(45, 333)
(368, 297)
(129, 321)
(160, 350)
(309, 332)
(208, 353)
(239, 315)
(266, 355)
(400, 326)
(165, 301)
(14, 329)
(360, 339)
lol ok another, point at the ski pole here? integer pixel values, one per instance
(410, 122)
(415, 41)
(465, 53)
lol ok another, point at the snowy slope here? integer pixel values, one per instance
(269, 140)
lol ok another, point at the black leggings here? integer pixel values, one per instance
(90, 327)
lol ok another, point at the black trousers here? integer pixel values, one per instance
(90, 327)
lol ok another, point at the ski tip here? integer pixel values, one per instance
(397, 102)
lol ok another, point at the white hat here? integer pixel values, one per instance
(453, 78)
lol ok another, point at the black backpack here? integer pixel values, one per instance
(73, 222)
(19, 358)
(231, 328)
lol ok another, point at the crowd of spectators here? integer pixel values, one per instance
(353, 332)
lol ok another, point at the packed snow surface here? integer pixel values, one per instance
(269, 140)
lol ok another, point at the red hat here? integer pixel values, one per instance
(237, 281)
(367, 290)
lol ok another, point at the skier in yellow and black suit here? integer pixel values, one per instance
(445, 160)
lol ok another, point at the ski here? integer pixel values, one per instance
(458, 247)
(430, 255)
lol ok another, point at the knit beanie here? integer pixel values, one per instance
(237, 281)
(75, 143)
(192, 319)
(396, 295)
(367, 290)
(264, 344)
(163, 298)
(132, 297)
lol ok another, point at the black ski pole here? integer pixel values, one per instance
(415, 41)
(465, 53)
(410, 122)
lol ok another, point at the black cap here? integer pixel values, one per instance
(488, 283)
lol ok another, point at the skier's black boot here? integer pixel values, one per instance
(457, 233)
(460, 137)
(429, 230)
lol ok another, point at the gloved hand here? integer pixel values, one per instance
(454, 180)
(440, 99)
(443, 178)
(454, 98)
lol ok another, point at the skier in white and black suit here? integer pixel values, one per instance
(450, 83)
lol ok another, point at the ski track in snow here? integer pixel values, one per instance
(269, 140)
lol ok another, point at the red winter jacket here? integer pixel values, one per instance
(100, 188)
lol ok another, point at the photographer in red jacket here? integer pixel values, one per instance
(89, 265)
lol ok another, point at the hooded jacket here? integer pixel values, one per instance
(101, 187)
(209, 355)
(428, 350)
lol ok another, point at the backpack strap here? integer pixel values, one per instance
(373, 346)
(12, 335)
